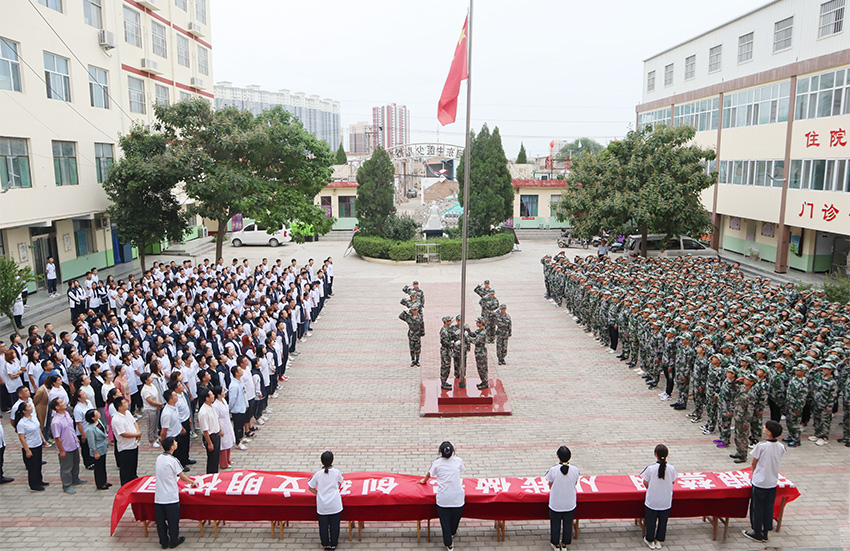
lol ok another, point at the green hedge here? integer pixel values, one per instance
(450, 249)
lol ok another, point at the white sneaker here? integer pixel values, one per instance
(662, 393)
(242, 447)
(650, 544)
(269, 410)
(155, 445)
(665, 398)
(657, 544)
(782, 418)
(264, 417)
(813, 438)
(309, 333)
(260, 421)
(820, 442)
(303, 339)
(575, 318)
(246, 440)
(318, 318)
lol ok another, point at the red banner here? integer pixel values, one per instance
(275, 496)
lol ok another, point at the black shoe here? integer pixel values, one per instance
(847, 444)
(164, 546)
(753, 536)
(109, 484)
(43, 483)
(482, 386)
(180, 540)
(186, 469)
(43, 462)
(6, 480)
(842, 440)
(190, 461)
(446, 386)
(37, 489)
(680, 407)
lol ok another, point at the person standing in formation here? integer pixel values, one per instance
(446, 346)
(416, 294)
(478, 338)
(503, 333)
(210, 429)
(415, 332)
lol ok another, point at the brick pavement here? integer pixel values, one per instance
(352, 391)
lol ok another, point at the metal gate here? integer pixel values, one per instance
(427, 253)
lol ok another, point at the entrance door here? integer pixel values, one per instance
(751, 230)
(45, 247)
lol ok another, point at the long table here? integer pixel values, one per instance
(280, 497)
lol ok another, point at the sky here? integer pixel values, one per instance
(541, 69)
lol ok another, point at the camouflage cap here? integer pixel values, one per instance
(480, 320)
(491, 291)
(828, 365)
(486, 281)
(415, 306)
(751, 376)
(447, 319)
(415, 282)
(686, 336)
(503, 306)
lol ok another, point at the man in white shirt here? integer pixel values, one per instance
(166, 497)
(50, 275)
(127, 436)
(766, 456)
(211, 429)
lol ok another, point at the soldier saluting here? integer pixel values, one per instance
(417, 294)
(415, 331)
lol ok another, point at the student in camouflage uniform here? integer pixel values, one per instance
(845, 402)
(795, 400)
(668, 362)
(479, 339)
(482, 289)
(760, 393)
(777, 387)
(446, 345)
(726, 407)
(655, 349)
(685, 358)
(742, 416)
(417, 294)
(825, 394)
(623, 318)
(415, 332)
(489, 307)
(699, 379)
(459, 373)
(716, 375)
(503, 333)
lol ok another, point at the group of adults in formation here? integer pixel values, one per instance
(492, 326)
(741, 348)
(184, 352)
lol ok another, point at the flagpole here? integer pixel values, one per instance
(466, 162)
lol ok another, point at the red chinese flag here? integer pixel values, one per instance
(447, 107)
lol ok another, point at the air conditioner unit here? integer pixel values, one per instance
(197, 82)
(196, 29)
(103, 223)
(150, 66)
(205, 232)
(106, 39)
(150, 4)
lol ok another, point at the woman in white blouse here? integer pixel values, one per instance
(562, 479)
(228, 435)
(658, 479)
(450, 495)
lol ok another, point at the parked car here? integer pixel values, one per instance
(676, 246)
(411, 193)
(257, 234)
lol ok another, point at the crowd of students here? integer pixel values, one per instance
(186, 351)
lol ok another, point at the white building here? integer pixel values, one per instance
(391, 124)
(770, 92)
(319, 116)
(74, 76)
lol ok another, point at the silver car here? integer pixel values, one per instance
(676, 246)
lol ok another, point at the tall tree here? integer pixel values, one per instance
(491, 195)
(14, 278)
(341, 158)
(521, 157)
(577, 148)
(141, 187)
(648, 183)
(266, 167)
(375, 191)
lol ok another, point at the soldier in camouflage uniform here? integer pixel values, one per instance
(795, 401)
(825, 394)
(479, 339)
(489, 307)
(726, 406)
(656, 349)
(685, 358)
(760, 392)
(415, 332)
(716, 375)
(503, 333)
(623, 327)
(742, 416)
(410, 299)
(446, 345)
(776, 389)
(417, 294)
(699, 380)
(482, 289)
(845, 402)
(669, 353)
(547, 276)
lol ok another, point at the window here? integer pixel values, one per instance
(84, 237)
(820, 175)
(690, 67)
(346, 206)
(753, 173)
(831, 18)
(65, 163)
(655, 118)
(10, 66)
(691, 245)
(182, 50)
(782, 31)
(765, 105)
(201, 11)
(650, 81)
(160, 42)
(668, 75)
(745, 48)
(528, 205)
(103, 160)
(714, 58)
(14, 163)
(203, 61)
(326, 206)
(93, 13)
(56, 77)
(137, 95)
(182, 4)
(184, 95)
(52, 4)
(132, 27)
(702, 114)
(98, 88)
(823, 95)
(554, 201)
(163, 95)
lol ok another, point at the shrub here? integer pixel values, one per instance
(400, 228)
(450, 249)
(403, 250)
(375, 247)
(836, 288)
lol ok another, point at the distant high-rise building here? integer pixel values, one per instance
(361, 138)
(319, 116)
(391, 125)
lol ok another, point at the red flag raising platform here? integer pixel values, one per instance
(463, 402)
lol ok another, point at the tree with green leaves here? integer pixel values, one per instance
(491, 195)
(577, 148)
(265, 167)
(521, 157)
(141, 187)
(14, 278)
(375, 192)
(648, 183)
(341, 158)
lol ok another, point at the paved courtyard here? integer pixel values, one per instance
(352, 391)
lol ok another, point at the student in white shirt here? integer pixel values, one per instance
(562, 479)
(166, 497)
(658, 479)
(450, 495)
(766, 456)
(50, 273)
(325, 484)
